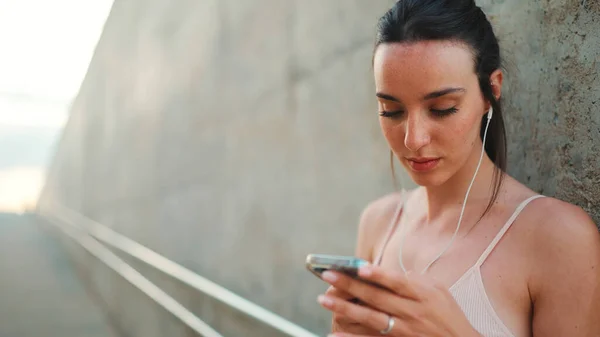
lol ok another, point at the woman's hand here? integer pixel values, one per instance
(414, 304)
(341, 323)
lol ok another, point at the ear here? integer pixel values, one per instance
(496, 82)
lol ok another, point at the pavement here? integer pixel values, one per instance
(40, 293)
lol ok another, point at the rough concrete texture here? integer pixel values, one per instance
(235, 137)
(553, 112)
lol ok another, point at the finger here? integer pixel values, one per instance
(352, 327)
(365, 316)
(345, 321)
(373, 296)
(333, 291)
(395, 281)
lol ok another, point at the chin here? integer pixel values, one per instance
(426, 180)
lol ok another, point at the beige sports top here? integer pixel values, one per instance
(469, 291)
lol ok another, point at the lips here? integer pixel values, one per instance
(423, 164)
(422, 159)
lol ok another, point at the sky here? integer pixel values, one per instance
(45, 50)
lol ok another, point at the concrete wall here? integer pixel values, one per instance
(553, 117)
(237, 136)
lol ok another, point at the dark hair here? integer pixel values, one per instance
(461, 21)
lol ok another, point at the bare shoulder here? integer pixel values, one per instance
(374, 222)
(564, 240)
(565, 270)
(561, 224)
(550, 221)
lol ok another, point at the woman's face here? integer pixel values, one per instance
(430, 107)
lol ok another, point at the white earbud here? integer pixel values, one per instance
(490, 112)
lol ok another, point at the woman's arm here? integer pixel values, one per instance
(565, 284)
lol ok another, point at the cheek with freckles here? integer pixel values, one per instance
(460, 136)
(394, 134)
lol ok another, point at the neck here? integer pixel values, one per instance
(450, 196)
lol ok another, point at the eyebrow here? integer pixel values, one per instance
(429, 96)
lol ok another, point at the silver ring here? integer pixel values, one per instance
(391, 322)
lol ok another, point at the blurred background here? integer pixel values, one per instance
(165, 166)
(46, 49)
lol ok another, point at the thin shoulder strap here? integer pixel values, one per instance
(391, 228)
(504, 229)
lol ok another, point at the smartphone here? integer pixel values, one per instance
(349, 265)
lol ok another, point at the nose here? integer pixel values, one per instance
(417, 132)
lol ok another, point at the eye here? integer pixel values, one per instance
(444, 112)
(391, 114)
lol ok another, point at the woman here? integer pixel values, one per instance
(510, 263)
